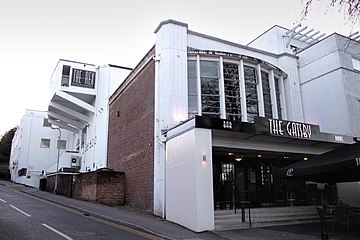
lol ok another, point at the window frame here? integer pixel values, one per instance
(45, 143)
(258, 102)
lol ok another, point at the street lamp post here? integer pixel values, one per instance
(57, 160)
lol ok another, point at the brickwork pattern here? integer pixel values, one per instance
(101, 187)
(131, 134)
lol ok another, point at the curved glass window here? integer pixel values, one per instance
(192, 89)
(266, 94)
(251, 93)
(210, 93)
(232, 91)
(226, 93)
(278, 94)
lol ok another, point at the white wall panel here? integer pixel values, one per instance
(170, 97)
(189, 188)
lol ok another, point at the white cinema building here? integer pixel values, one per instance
(227, 115)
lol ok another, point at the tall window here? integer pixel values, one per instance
(65, 76)
(278, 100)
(251, 93)
(210, 93)
(192, 89)
(266, 94)
(46, 123)
(232, 91)
(83, 136)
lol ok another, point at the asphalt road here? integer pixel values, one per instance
(26, 217)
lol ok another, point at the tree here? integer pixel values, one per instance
(351, 8)
(5, 145)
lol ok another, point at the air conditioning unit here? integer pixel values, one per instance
(75, 161)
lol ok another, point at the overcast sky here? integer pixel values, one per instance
(35, 34)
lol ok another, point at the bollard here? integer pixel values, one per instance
(249, 216)
(323, 234)
(242, 213)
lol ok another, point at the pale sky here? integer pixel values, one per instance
(35, 34)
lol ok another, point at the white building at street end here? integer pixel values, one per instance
(77, 114)
(35, 149)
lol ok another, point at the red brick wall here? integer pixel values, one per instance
(131, 134)
(101, 187)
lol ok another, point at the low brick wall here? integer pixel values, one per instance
(105, 187)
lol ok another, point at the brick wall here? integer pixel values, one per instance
(105, 187)
(131, 134)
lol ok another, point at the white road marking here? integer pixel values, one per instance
(28, 215)
(2, 200)
(57, 231)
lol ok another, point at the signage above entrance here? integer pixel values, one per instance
(292, 129)
(273, 127)
(297, 130)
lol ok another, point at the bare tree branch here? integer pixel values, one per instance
(351, 8)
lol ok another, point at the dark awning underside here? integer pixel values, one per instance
(339, 165)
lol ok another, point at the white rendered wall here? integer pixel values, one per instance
(271, 41)
(95, 155)
(274, 40)
(189, 182)
(330, 87)
(27, 152)
(294, 103)
(170, 97)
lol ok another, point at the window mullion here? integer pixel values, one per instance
(260, 92)
(282, 97)
(242, 91)
(222, 90)
(198, 83)
(273, 95)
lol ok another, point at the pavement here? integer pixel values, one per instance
(139, 220)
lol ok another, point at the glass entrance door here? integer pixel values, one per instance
(248, 181)
(223, 185)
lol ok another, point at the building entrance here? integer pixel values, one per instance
(240, 179)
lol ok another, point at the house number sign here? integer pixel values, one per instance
(227, 124)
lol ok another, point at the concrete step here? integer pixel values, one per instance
(270, 210)
(226, 219)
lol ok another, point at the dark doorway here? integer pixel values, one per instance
(251, 178)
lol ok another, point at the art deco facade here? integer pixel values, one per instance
(199, 115)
